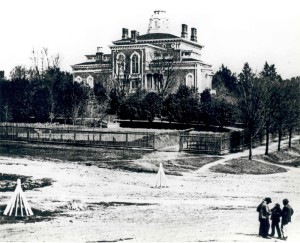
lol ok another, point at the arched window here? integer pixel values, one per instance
(90, 81)
(135, 63)
(120, 64)
(78, 79)
(190, 80)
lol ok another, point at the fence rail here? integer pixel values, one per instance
(123, 140)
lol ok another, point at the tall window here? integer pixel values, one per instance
(90, 81)
(190, 80)
(149, 81)
(135, 63)
(120, 64)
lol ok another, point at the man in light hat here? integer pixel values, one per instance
(287, 213)
(264, 215)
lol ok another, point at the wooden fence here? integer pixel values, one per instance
(211, 143)
(122, 140)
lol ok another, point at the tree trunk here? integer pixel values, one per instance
(279, 138)
(290, 138)
(267, 140)
(250, 148)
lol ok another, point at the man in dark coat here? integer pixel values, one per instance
(287, 213)
(275, 217)
(264, 214)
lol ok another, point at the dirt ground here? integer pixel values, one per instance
(89, 203)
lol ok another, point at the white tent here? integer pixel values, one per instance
(18, 202)
(161, 180)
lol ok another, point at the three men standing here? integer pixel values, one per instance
(264, 215)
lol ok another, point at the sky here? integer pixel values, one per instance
(232, 31)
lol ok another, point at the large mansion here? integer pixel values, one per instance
(152, 61)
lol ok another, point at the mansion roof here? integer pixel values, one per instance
(155, 37)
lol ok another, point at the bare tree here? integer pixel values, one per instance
(56, 60)
(96, 108)
(106, 81)
(286, 115)
(165, 69)
(252, 92)
(271, 81)
(293, 109)
(41, 62)
(18, 72)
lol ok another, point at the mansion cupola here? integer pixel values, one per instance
(158, 22)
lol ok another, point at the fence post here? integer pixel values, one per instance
(180, 143)
(126, 141)
(243, 141)
(6, 132)
(221, 149)
(153, 141)
(74, 136)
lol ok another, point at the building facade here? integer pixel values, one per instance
(153, 61)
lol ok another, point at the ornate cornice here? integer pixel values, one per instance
(92, 67)
(135, 46)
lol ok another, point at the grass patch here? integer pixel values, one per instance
(171, 167)
(116, 204)
(8, 182)
(129, 165)
(245, 166)
(287, 156)
(188, 164)
(67, 153)
(38, 216)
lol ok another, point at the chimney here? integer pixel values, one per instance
(124, 33)
(184, 31)
(99, 55)
(194, 34)
(134, 35)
